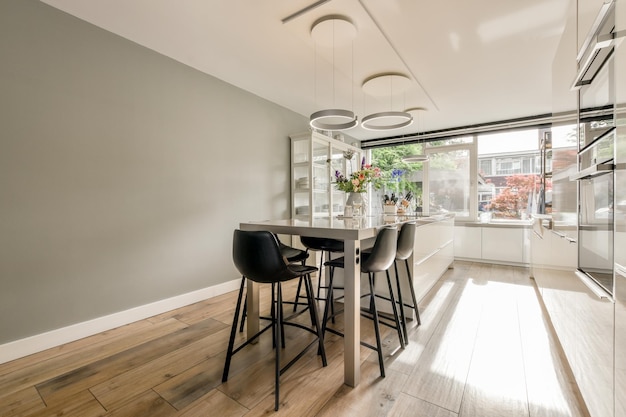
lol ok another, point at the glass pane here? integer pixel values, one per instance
(515, 156)
(452, 141)
(343, 162)
(300, 151)
(449, 182)
(401, 180)
(321, 179)
(301, 178)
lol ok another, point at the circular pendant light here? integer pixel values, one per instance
(329, 32)
(382, 85)
(333, 119)
(386, 120)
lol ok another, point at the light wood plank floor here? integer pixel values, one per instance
(484, 349)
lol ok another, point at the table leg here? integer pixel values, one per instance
(352, 330)
(253, 308)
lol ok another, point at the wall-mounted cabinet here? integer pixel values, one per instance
(314, 160)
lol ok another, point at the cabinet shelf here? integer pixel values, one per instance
(315, 157)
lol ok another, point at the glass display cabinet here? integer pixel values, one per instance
(314, 160)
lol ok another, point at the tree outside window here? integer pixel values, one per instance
(399, 177)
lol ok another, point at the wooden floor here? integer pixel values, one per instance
(484, 349)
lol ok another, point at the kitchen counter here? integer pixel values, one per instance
(355, 232)
(520, 224)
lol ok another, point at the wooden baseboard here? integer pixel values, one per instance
(37, 343)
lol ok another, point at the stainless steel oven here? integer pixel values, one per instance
(595, 212)
(596, 143)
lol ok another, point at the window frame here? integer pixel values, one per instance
(472, 148)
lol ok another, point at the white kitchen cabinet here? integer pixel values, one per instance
(503, 244)
(540, 244)
(314, 160)
(433, 254)
(495, 243)
(467, 242)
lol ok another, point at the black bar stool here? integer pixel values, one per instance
(324, 245)
(293, 255)
(406, 242)
(257, 257)
(379, 259)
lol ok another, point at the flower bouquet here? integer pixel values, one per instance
(357, 182)
(356, 186)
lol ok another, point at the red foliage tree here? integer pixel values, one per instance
(514, 198)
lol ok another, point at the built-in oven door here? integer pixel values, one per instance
(595, 229)
(595, 78)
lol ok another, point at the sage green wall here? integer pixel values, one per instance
(122, 172)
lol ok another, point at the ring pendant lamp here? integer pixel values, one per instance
(386, 120)
(327, 31)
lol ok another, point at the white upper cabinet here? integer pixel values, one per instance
(314, 160)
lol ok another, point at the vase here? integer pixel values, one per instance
(358, 202)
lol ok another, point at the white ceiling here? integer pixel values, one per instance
(469, 62)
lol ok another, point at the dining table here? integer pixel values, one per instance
(354, 232)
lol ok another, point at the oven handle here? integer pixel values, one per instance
(593, 287)
(599, 53)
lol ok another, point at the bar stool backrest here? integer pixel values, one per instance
(257, 257)
(383, 254)
(322, 243)
(406, 241)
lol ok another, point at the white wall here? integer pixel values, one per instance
(122, 172)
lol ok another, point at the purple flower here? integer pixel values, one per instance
(397, 173)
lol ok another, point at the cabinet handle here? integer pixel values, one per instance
(564, 236)
(593, 287)
(537, 234)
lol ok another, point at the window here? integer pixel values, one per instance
(399, 179)
(516, 173)
(496, 172)
(449, 180)
(485, 166)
